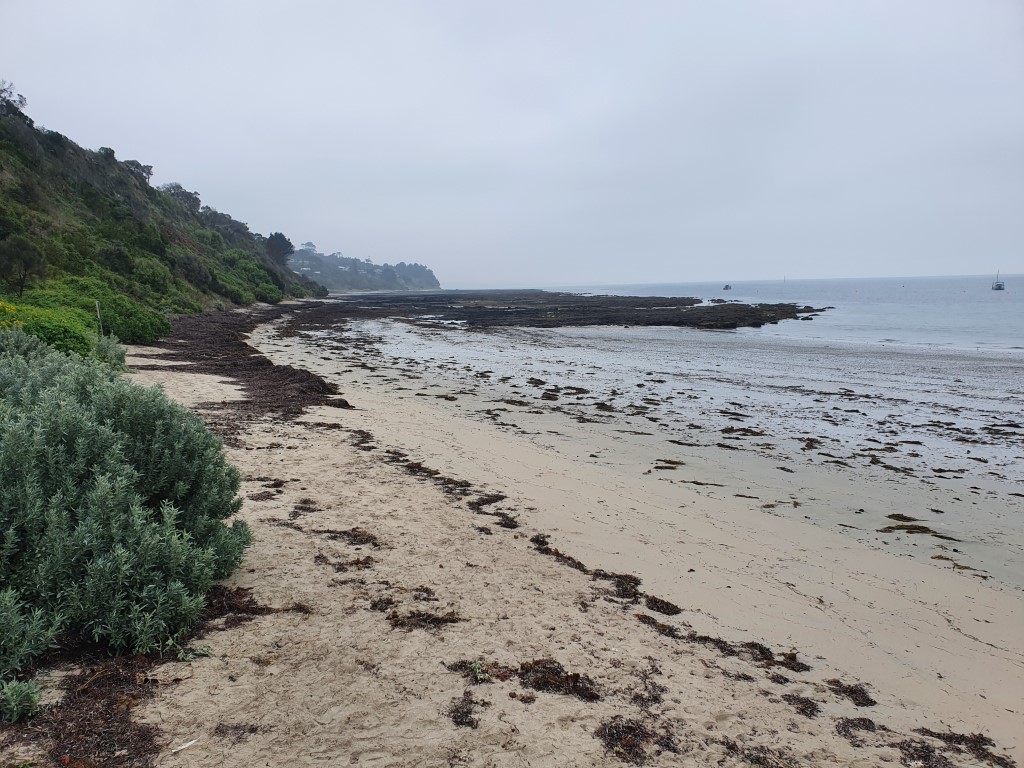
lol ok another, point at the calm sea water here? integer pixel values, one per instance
(946, 312)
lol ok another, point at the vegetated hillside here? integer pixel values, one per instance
(79, 226)
(341, 273)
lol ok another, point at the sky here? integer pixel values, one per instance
(564, 142)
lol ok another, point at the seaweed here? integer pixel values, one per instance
(355, 536)
(463, 707)
(803, 705)
(485, 501)
(626, 738)
(541, 541)
(661, 606)
(627, 586)
(856, 693)
(478, 672)
(847, 727)
(548, 676)
(977, 744)
(422, 620)
(915, 753)
(662, 629)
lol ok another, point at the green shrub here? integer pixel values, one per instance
(24, 633)
(269, 293)
(18, 699)
(122, 316)
(107, 350)
(66, 329)
(112, 502)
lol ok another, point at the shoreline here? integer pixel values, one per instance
(954, 638)
(419, 630)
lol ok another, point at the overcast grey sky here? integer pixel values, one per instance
(564, 142)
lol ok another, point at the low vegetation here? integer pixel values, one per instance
(112, 508)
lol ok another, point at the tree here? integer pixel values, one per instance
(279, 248)
(190, 200)
(10, 102)
(138, 169)
(20, 260)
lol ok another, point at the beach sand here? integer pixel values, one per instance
(449, 591)
(342, 685)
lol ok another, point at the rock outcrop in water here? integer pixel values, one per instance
(545, 309)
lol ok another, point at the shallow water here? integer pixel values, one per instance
(939, 312)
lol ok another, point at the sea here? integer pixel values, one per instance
(961, 312)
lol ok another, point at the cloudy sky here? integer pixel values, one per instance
(564, 142)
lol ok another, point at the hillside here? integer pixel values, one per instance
(342, 273)
(79, 226)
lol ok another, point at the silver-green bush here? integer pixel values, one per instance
(112, 502)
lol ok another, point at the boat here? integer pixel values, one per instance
(726, 287)
(998, 285)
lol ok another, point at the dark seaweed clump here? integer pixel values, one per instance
(857, 693)
(661, 606)
(462, 709)
(847, 727)
(422, 620)
(977, 744)
(803, 705)
(549, 676)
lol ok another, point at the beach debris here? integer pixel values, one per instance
(382, 603)
(847, 727)
(541, 541)
(485, 501)
(914, 528)
(915, 753)
(302, 508)
(627, 586)
(976, 744)
(479, 672)
(658, 605)
(651, 692)
(462, 709)
(362, 440)
(629, 738)
(662, 629)
(762, 757)
(356, 537)
(262, 496)
(803, 705)
(548, 676)
(238, 732)
(422, 620)
(856, 693)
(344, 566)
(901, 518)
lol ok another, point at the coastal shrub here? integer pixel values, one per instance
(18, 699)
(268, 293)
(122, 316)
(66, 329)
(107, 350)
(112, 508)
(24, 633)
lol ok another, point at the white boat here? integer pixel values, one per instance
(998, 285)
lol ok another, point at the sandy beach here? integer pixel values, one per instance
(441, 589)
(935, 649)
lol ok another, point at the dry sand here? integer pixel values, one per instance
(341, 686)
